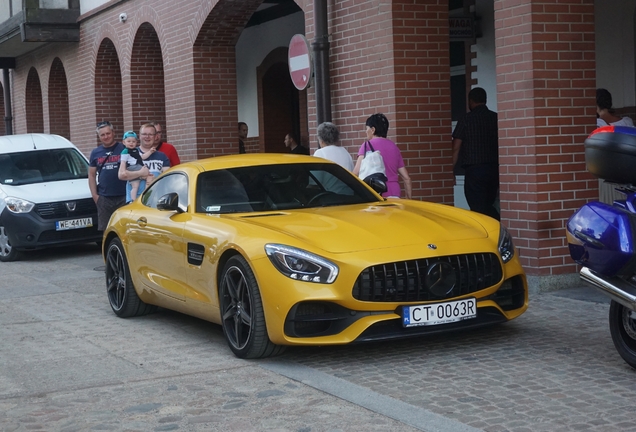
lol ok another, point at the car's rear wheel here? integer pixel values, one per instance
(242, 312)
(623, 331)
(121, 292)
(7, 252)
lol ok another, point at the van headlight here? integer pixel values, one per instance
(18, 205)
(506, 247)
(301, 265)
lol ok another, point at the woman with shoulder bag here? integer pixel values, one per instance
(377, 127)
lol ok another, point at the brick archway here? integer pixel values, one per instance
(58, 100)
(34, 108)
(147, 78)
(216, 107)
(108, 88)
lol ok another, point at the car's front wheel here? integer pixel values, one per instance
(7, 252)
(622, 323)
(121, 292)
(242, 312)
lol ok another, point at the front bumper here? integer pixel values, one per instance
(328, 320)
(33, 230)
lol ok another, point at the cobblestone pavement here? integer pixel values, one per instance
(68, 364)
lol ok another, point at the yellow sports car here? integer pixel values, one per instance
(295, 250)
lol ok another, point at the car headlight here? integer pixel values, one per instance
(18, 205)
(506, 247)
(301, 265)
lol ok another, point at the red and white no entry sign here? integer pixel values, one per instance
(300, 67)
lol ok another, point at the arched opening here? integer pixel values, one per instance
(225, 69)
(108, 89)
(33, 102)
(279, 103)
(58, 100)
(215, 77)
(147, 79)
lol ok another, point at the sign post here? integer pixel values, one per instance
(300, 64)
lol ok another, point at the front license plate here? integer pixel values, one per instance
(73, 224)
(439, 313)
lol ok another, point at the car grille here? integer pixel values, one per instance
(58, 210)
(428, 279)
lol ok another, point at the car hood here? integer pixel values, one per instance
(371, 227)
(49, 191)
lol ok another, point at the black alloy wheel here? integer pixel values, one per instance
(121, 292)
(242, 312)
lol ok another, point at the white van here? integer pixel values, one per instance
(44, 195)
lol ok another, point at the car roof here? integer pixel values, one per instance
(251, 159)
(30, 142)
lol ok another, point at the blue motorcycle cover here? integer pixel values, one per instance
(601, 237)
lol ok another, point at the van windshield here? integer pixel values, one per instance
(40, 166)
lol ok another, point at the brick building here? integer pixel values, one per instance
(200, 66)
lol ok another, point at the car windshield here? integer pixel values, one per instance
(279, 187)
(42, 166)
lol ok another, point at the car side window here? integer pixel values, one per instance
(174, 182)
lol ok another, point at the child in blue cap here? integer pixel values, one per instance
(134, 160)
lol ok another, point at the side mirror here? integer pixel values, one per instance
(169, 202)
(377, 182)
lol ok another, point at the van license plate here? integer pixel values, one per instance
(73, 224)
(439, 313)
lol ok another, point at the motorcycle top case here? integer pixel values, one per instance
(610, 154)
(601, 238)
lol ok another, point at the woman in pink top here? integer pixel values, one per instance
(377, 127)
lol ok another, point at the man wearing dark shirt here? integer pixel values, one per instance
(242, 133)
(292, 144)
(476, 148)
(108, 192)
(165, 147)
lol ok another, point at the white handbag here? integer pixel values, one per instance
(372, 164)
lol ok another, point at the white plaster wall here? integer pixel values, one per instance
(54, 4)
(4, 11)
(252, 47)
(87, 5)
(16, 5)
(486, 73)
(614, 30)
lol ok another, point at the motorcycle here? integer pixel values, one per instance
(602, 237)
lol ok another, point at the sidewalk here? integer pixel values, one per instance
(68, 364)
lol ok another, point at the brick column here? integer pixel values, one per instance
(393, 57)
(546, 83)
(422, 96)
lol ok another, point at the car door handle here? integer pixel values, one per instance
(142, 222)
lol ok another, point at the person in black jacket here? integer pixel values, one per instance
(476, 148)
(292, 144)
(242, 133)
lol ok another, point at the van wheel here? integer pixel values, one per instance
(7, 252)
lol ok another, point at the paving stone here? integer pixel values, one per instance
(67, 363)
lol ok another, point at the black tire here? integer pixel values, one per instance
(623, 330)
(7, 252)
(242, 312)
(121, 292)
